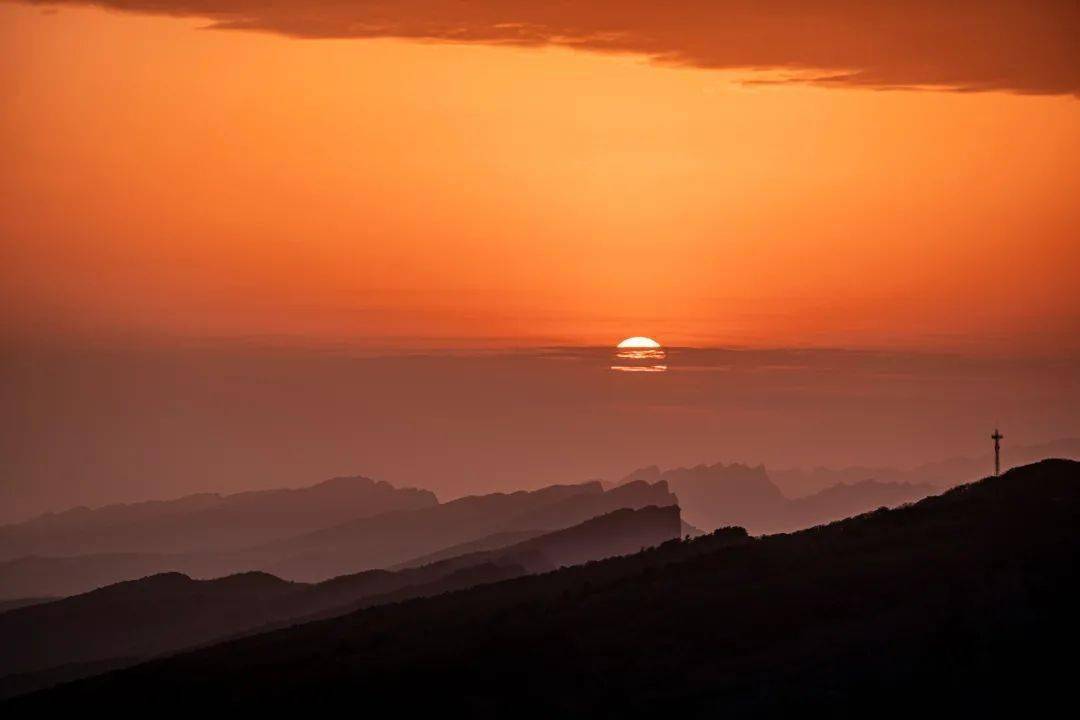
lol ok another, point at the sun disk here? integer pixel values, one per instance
(638, 342)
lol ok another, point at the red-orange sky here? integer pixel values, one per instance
(199, 197)
(164, 179)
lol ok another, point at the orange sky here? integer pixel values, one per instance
(160, 179)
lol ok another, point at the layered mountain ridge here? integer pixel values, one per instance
(719, 495)
(165, 612)
(970, 589)
(379, 541)
(207, 521)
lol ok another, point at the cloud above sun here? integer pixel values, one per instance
(965, 45)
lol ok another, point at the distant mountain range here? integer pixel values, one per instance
(206, 522)
(380, 541)
(941, 474)
(713, 496)
(960, 603)
(350, 524)
(122, 623)
(390, 539)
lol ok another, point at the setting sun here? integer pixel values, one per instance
(638, 342)
(639, 354)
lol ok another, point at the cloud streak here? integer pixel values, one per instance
(965, 45)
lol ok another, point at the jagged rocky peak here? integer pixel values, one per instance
(649, 474)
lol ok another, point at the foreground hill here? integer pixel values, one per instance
(720, 495)
(17, 603)
(162, 613)
(206, 522)
(961, 602)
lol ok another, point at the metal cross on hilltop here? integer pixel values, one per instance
(997, 437)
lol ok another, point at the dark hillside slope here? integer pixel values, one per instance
(167, 612)
(961, 602)
(16, 603)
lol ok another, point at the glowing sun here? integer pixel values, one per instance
(639, 354)
(638, 342)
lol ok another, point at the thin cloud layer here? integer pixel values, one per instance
(1025, 46)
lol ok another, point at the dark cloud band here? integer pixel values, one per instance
(1026, 46)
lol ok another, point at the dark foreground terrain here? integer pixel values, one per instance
(134, 621)
(962, 603)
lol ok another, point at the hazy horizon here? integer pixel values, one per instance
(92, 425)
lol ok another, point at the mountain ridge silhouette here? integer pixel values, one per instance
(967, 589)
(382, 540)
(206, 521)
(718, 495)
(169, 611)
